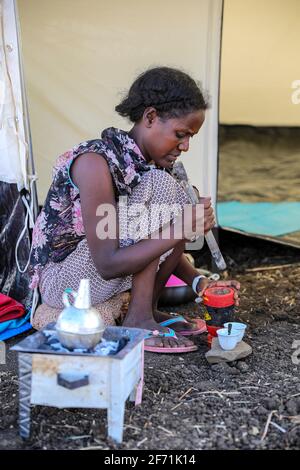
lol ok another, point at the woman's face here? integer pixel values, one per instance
(164, 140)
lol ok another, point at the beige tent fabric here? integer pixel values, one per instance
(13, 146)
(79, 56)
(260, 75)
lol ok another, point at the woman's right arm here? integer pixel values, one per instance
(91, 174)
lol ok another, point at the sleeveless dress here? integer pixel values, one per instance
(60, 252)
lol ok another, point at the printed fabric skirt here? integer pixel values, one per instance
(158, 191)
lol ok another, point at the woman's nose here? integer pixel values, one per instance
(184, 146)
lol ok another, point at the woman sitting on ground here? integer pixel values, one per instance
(82, 231)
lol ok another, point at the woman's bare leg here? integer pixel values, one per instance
(176, 263)
(166, 269)
(140, 311)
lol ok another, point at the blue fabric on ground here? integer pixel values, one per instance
(15, 331)
(11, 328)
(261, 218)
(16, 323)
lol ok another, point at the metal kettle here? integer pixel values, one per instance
(79, 326)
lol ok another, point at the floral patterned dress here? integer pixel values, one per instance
(59, 227)
(60, 252)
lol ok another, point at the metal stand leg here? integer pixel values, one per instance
(115, 419)
(137, 392)
(133, 393)
(25, 367)
(116, 408)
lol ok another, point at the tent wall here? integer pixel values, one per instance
(13, 154)
(13, 162)
(80, 55)
(260, 63)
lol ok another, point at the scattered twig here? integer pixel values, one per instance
(292, 396)
(221, 394)
(198, 430)
(142, 441)
(129, 426)
(295, 419)
(185, 393)
(270, 268)
(74, 438)
(166, 430)
(61, 426)
(91, 448)
(176, 406)
(96, 440)
(242, 401)
(248, 386)
(267, 425)
(212, 392)
(277, 426)
(220, 426)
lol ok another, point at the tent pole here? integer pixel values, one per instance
(30, 160)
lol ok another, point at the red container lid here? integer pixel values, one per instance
(212, 330)
(218, 297)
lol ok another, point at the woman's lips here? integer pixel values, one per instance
(172, 158)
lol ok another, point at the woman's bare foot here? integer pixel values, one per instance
(170, 342)
(160, 316)
(133, 321)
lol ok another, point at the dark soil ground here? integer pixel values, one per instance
(188, 404)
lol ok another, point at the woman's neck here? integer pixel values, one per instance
(136, 135)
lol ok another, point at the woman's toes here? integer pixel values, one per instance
(169, 342)
(155, 342)
(185, 342)
(180, 341)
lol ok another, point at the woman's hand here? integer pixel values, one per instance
(198, 222)
(209, 217)
(204, 283)
(193, 222)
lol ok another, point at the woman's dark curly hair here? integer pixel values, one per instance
(171, 92)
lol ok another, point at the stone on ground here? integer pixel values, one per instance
(216, 354)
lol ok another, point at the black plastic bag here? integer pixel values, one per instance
(12, 220)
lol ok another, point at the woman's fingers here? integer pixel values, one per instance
(206, 201)
(236, 298)
(235, 284)
(209, 218)
(202, 285)
(232, 283)
(208, 214)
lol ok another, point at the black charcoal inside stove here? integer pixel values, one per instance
(108, 346)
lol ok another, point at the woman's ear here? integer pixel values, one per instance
(150, 114)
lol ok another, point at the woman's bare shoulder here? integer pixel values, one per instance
(89, 169)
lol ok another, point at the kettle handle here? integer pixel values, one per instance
(66, 293)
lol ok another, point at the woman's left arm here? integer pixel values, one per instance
(186, 271)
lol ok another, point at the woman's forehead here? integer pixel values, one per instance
(190, 122)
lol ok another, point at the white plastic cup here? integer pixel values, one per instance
(226, 341)
(238, 327)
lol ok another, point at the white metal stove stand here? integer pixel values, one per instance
(81, 381)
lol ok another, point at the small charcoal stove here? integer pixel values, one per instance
(74, 379)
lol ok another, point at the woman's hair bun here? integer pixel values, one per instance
(170, 91)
